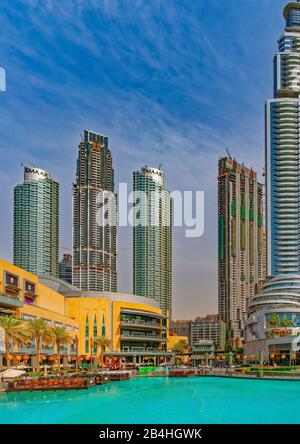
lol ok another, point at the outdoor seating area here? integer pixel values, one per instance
(118, 375)
(14, 380)
(20, 381)
(183, 372)
(44, 384)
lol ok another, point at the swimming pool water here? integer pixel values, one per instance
(160, 400)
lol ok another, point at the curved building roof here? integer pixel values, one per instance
(69, 291)
(282, 291)
(292, 6)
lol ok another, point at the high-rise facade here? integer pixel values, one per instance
(209, 328)
(181, 328)
(152, 238)
(94, 236)
(240, 251)
(274, 313)
(36, 222)
(283, 152)
(65, 268)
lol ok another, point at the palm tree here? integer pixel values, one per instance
(275, 320)
(181, 346)
(14, 332)
(40, 332)
(103, 343)
(239, 351)
(228, 349)
(286, 323)
(60, 336)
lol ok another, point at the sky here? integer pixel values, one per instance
(170, 82)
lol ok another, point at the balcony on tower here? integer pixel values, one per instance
(292, 15)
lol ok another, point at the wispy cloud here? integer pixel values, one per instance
(170, 82)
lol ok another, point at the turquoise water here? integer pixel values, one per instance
(160, 400)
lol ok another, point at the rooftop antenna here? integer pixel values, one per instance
(159, 166)
(228, 153)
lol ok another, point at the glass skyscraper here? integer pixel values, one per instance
(36, 222)
(277, 305)
(65, 268)
(152, 238)
(94, 241)
(283, 152)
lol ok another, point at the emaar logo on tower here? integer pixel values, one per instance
(2, 79)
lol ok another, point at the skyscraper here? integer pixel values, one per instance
(277, 304)
(283, 152)
(240, 252)
(65, 268)
(209, 328)
(36, 222)
(152, 238)
(94, 239)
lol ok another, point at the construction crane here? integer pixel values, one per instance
(228, 153)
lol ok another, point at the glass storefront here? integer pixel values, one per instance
(293, 317)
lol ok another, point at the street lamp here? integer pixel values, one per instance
(91, 346)
(76, 340)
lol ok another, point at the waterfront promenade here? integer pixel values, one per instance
(90, 379)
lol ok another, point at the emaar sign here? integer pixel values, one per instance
(32, 173)
(2, 79)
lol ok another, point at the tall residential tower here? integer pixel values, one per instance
(240, 221)
(36, 222)
(274, 313)
(283, 152)
(152, 238)
(94, 240)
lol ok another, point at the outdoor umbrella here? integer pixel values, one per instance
(11, 373)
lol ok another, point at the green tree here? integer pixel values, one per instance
(15, 333)
(239, 351)
(286, 323)
(181, 347)
(103, 343)
(60, 336)
(40, 332)
(275, 320)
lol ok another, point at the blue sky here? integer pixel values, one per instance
(170, 82)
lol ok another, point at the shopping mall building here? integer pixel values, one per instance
(273, 326)
(135, 326)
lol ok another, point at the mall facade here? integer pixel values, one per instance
(135, 326)
(273, 327)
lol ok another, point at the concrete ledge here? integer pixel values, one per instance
(3, 388)
(256, 377)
